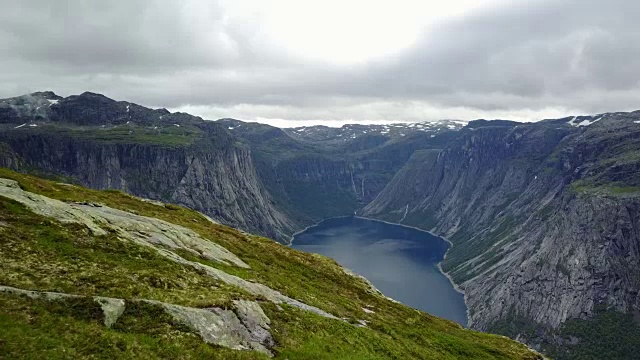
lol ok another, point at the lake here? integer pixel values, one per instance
(400, 261)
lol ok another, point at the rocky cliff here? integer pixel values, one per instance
(544, 219)
(175, 158)
(315, 175)
(252, 176)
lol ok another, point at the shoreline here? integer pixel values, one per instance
(439, 265)
(310, 226)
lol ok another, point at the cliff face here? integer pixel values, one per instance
(172, 157)
(544, 218)
(247, 175)
(314, 180)
(222, 183)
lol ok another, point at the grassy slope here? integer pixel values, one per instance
(41, 254)
(168, 135)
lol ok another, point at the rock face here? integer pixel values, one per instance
(544, 218)
(319, 172)
(224, 328)
(127, 147)
(251, 176)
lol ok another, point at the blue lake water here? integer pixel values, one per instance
(400, 261)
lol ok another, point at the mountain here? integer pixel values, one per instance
(545, 224)
(325, 134)
(543, 217)
(102, 274)
(314, 180)
(172, 157)
(251, 176)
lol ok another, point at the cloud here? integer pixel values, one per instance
(517, 60)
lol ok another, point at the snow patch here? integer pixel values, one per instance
(585, 122)
(176, 125)
(33, 125)
(19, 126)
(368, 311)
(589, 122)
(637, 122)
(52, 102)
(572, 121)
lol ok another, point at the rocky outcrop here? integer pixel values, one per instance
(8, 158)
(157, 234)
(143, 230)
(226, 328)
(544, 218)
(246, 330)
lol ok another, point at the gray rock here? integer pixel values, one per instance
(245, 329)
(223, 327)
(157, 234)
(112, 309)
(143, 230)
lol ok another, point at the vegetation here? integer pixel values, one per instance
(607, 335)
(31, 329)
(586, 187)
(469, 246)
(39, 253)
(171, 136)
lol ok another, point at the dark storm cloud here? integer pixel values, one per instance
(513, 57)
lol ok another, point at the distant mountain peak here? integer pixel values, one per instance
(47, 95)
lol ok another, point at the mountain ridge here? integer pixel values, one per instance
(506, 194)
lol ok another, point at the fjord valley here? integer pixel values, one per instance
(543, 220)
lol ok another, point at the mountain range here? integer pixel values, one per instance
(544, 218)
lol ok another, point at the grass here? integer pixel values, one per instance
(42, 254)
(68, 329)
(170, 136)
(83, 264)
(587, 187)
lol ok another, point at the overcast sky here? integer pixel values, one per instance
(330, 61)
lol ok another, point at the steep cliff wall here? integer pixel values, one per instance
(544, 218)
(314, 180)
(220, 182)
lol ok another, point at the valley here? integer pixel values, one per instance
(543, 217)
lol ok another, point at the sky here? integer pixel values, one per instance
(293, 63)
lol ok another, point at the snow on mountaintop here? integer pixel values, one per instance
(353, 131)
